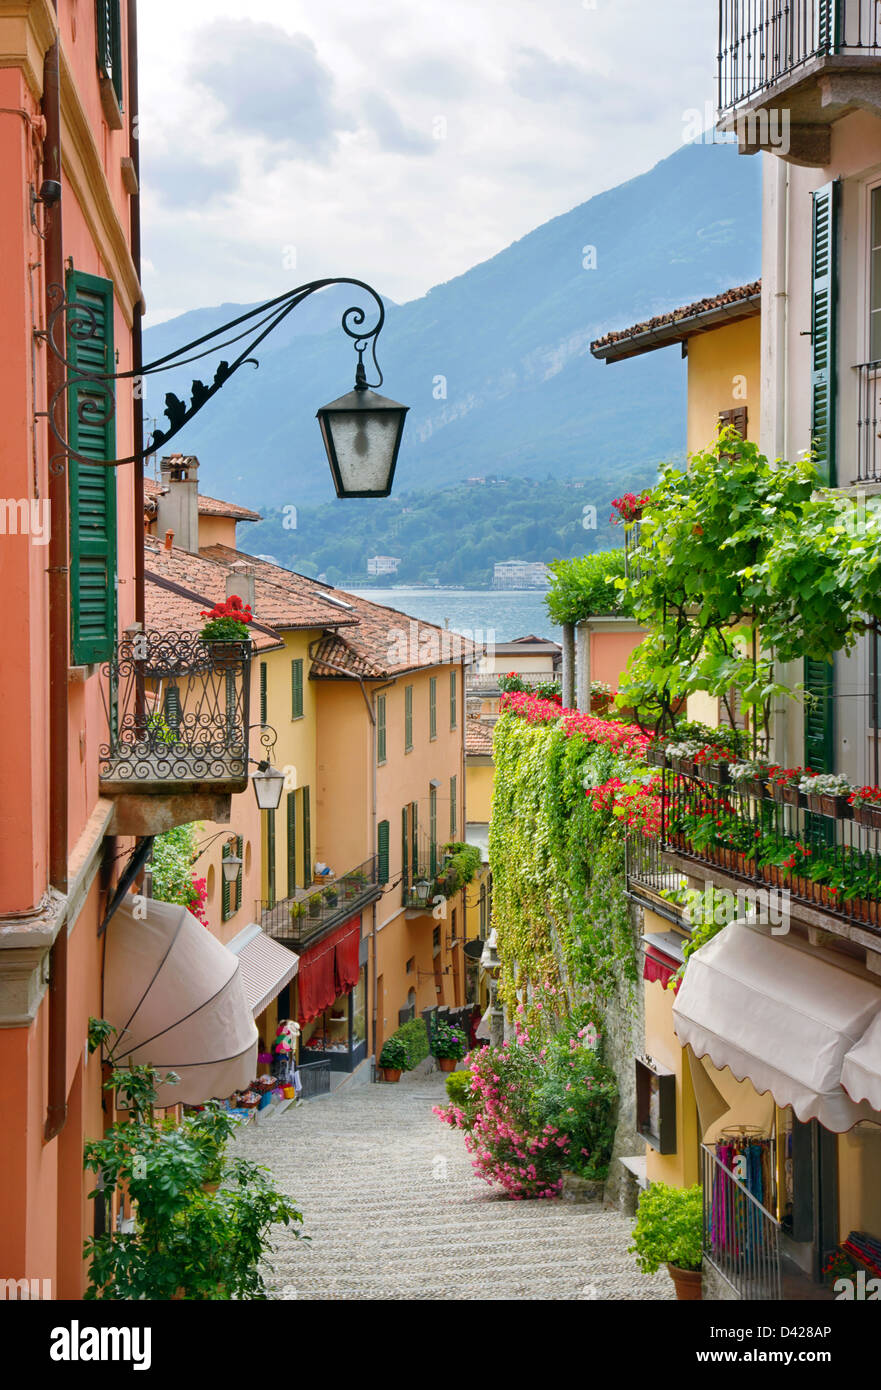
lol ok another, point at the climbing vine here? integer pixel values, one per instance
(557, 856)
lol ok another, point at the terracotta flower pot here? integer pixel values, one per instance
(687, 1282)
(447, 1063)
(391, 1073)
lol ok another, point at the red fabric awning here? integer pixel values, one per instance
(658, 966)
(326, 969)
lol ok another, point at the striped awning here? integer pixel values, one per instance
(266, 966)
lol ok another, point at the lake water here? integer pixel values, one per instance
(505, 613)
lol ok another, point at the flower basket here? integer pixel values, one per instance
(717, 773)
(656, 757)
(836, 806)
(447, 1063)
(391, 1073)
(868, 814)
(225, 656)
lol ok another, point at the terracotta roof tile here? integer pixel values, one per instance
(478, 736)
(170, 607)
(208, 506)
(743, 301)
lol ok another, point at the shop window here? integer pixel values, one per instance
(656, 1105)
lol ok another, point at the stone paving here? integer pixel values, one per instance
(395, 1211)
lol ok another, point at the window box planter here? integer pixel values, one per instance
(868, 814)
(656, 757)
(684, 766)
(226, 656)
(789, 796)
(824, 804)
(717, 773)
(867, 909)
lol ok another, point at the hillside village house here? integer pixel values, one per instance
(795, 1015)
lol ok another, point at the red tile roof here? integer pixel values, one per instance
(208, 506)
(171, 607)
(478, 737)
(384, 642)
(744, 301)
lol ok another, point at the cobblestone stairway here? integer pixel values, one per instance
(395, 1211)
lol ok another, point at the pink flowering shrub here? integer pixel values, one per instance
(624, 738)
(534, 1109)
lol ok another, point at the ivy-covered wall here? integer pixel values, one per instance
(566, 936)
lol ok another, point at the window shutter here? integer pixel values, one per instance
(383, 845)
(453, 710)
(819, 681)
(264, 711)
(297, 689)
(737, 418)
(823, 325)
(380, 729)
(405, 853)
(291, 805)
(92, 486)
(432, 829)
(432, 707)
(408, 718)
(453, 808)
(270, 856)
(829, 25)
(414, 838)
(240, 851)
(225, 909)
(307, 838)
(109, 43)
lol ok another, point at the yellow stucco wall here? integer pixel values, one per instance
(680, 1168)
(295, 754)
(723, 374)
(478, 791)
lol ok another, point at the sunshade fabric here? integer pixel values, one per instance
(325, 966)
(779, 1016)
(176, 998)
(266, 966)
(861, 1073)
(658, 966)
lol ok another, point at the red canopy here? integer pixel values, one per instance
(328, 968)
(658, 966)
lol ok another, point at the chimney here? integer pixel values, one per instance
(179, 500)
(169, 539)
(240, 581)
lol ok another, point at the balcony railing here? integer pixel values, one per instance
(488, 681)
(869, 422)
(176, 714)
(308, 914)
(822, 852)
(632, 566)
(761, 42)
(740, 1238)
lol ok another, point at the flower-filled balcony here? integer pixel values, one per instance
(437, 871)
(812, 835)
(312, 912)
(176, 710)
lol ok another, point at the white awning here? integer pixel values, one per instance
(266, 965)
(861, 1073)
(177, 1000)
(779, 1016)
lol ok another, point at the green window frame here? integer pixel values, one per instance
(405, 853)
(297, 688)
(414, 839)
(432, 707)
(432, 829)
(307, 837)
(408, 719)
(109, 40)
(270, 856)
(231, 893)
(92, 487)
(454, 701)
(824, 318)
(382, 841)
(381, 750)
(264, 694)
(454, 810)
(291, 809)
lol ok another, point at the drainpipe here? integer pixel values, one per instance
(138, 310)
(59, 617)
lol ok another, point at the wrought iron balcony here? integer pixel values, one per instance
(822, 852)
(632, 564)
(766, 42)
(311, 912)
(176, 715)
(869, 423)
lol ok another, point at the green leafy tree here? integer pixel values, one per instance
(584, 586)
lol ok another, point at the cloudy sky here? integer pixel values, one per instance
(400, 144)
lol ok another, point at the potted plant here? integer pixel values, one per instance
(296, 910)
(668, 1230)
(749, 775)
(783, 784)
(226, 631)
(448, 1045)
(314, 905)
(331, 896)
(393, 1058)
(866, 803)
(827, 793)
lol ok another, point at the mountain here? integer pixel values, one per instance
(511, 337)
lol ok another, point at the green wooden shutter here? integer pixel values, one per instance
(453, 808)
(380, 729)
(819, 681)
(383, 846)
(264, 712)
(291, 805)
(405, 853)
(240, 851)
(110, 43)
(829, 29)
(408, 718)
(414, 838)
(270, 856)
(225, 907)
(432, 707)
(92, 487)
(454, 714)
(823, 328)
(297, 689)
(432, 829)
(307, 838)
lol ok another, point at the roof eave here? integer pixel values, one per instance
(664, 335)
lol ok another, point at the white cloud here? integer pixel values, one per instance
(401, 145)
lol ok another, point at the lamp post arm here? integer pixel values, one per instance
(97, 403)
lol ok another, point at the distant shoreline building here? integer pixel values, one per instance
(521, 574)
(383, 564)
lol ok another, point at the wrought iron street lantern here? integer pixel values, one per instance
(268, 784)
(422, 888)
(362, 435)
(231, 865)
